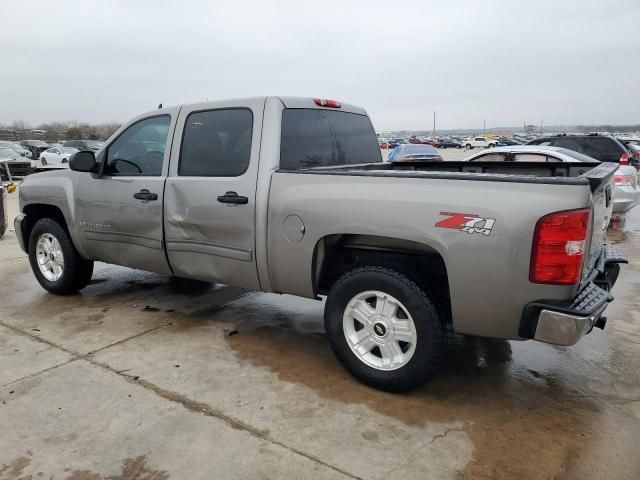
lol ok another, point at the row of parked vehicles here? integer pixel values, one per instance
(455, 142)
(19, 158)
(553, 149)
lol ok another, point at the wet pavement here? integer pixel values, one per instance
(142, 378)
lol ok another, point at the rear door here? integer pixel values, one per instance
(120, 211)
(210, 192)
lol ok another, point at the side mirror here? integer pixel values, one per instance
(83, 161)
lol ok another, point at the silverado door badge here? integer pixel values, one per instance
(467, 222)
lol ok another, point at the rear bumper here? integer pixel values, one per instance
(564, 323)
(624, 198)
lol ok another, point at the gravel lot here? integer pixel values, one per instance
(136, 378)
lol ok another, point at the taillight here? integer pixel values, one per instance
(559, 244)
(624, 159)
(323, 102)
(624, 180)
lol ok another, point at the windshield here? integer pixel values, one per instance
(8, 153)
(36, 143)
(93, 143)
(68, 149)
(420, 150)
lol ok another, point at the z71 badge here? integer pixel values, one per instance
(467, 222)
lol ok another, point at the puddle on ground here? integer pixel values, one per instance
(509, 410)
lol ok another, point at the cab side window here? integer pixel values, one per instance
(216, 143)
(139, 150)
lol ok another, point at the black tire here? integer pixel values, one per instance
(492, 145)
(76, 270)
(468, 146)
(434, 336)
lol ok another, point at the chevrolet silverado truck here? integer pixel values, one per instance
(291, 196)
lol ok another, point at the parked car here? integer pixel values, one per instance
(601, 147)
(626, 193)
(414, 153)
(24, 152)
(506, 141)
(422, 141)
(448, 143)
(290, 195)
(398, 141)
(36, 147)
(479, 142)
(12, 164)
(57, 155)
(83, 144)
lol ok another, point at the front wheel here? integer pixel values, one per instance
(54, 260)
(384, 329)
(468, 146)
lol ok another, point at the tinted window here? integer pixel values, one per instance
(577, 156)
(139, 150)
(319, 138)
(601, 148)
(216, 143)
(490, 157)
(420, 149)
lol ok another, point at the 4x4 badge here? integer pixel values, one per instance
(467, 222)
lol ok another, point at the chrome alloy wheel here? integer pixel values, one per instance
(50, 257)
(379, 330)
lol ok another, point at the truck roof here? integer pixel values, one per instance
(287, 102)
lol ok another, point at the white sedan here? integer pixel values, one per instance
(626, 194)
(58, 156)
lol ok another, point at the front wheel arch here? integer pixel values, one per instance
(36, 211)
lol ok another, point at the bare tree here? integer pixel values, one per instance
(20, 125)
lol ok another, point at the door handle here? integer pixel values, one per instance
(145, 194)
(233, 197)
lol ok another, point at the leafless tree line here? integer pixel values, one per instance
(54, 131)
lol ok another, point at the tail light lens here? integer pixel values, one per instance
(559, 244)
(624, 159)
(624, 180)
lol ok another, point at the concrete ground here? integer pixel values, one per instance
(135, 378)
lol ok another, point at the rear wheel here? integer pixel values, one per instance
(468, 146)
(384, 329)
(54, 260)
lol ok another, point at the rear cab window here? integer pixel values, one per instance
(325, 138)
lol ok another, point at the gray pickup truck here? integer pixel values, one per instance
(290, 195)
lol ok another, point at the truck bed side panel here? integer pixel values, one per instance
(488, 274)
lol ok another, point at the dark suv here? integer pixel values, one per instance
(600, 147)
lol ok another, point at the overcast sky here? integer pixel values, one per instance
(562, 61)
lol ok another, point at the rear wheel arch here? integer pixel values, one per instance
(336, 254)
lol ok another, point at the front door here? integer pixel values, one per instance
(210, 193)
(120, 211)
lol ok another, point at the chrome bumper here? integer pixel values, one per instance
(564, 323)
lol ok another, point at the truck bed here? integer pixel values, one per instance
(517, 172)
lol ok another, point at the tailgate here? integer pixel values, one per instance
(601, 181)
